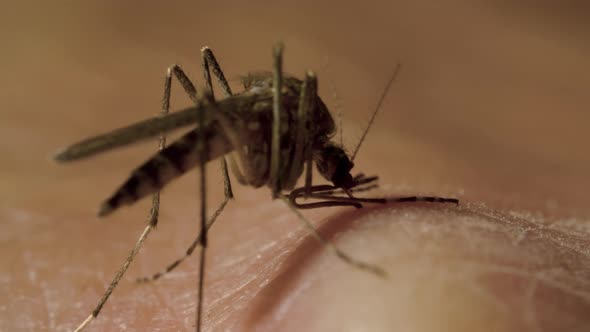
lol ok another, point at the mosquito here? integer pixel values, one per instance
(271, 133)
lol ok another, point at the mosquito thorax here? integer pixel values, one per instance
(331, 160)
(334, 165)
(323, 123)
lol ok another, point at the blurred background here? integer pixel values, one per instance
(491, 106)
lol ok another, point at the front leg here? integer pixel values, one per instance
(275, 164)
(209, 62)
(153, 214)
(331, 196)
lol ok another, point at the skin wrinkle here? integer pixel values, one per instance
(575, 243)
(284, 283)
(539, 233)
(561, 302)
(243, 291)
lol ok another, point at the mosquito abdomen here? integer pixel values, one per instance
(165, 166)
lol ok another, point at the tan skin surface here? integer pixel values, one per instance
(491, 107)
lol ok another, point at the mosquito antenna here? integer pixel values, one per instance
(381, 99)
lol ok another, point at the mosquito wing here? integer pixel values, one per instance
(153, 127)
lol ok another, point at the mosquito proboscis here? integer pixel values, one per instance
(271, 133)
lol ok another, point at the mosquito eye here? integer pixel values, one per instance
(342, 176)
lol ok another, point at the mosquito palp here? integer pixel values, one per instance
(272, 132)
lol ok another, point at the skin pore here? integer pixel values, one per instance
(491, 108)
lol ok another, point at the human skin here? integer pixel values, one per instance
(490, 107)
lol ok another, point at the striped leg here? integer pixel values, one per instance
(303, 150)
(303, 156)
(331, 196)
(378, 271)
(209, 63)
(202, 152)
(155, 209)
(275, 154)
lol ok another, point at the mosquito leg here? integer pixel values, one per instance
(117, 278)
(152, 220)
(313, 191)
(209, 60)
(275, 166)
(308, 171)
(326, 192)
(331, 200)
(432, 199)
(184, 81)
(303, 153)
(202, 149)
(208, 63)
(330, 196)
(190, 249)
(333, 248)
(236, 139)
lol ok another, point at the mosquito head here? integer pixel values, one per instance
(335, 165)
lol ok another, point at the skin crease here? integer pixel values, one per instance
(490, 107)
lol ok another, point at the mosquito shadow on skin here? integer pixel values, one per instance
(305, 253)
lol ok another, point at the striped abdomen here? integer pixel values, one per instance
(165, 166)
